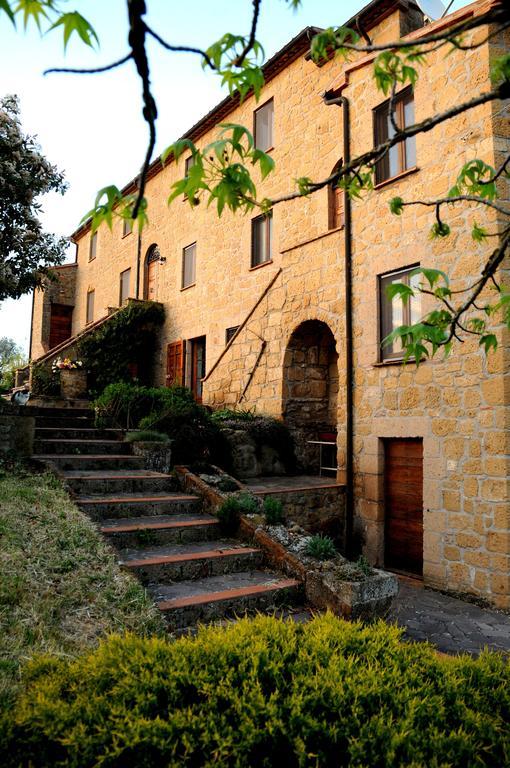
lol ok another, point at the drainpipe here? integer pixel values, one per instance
(138, 258)
(349, 375)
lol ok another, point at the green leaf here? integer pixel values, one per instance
(396, 205)
(479, 234)
(75, 22)
(6, 8)
(488, 342)
(399, 289)
(32, 9)
(432, 275)
(439, 229)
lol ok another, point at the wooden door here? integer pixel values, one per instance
(174, 363)
(151, 287)
(403, 481)
(61, 319)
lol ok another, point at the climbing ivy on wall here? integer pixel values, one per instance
(124, 347)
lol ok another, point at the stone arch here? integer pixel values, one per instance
(150, 272)
(310, 387)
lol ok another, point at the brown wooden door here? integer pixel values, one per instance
(174, 363)
(403, 480)
(61, 320)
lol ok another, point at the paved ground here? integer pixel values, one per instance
(452, 625)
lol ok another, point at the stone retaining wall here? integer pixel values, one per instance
(17, 433)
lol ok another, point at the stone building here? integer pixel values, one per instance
(256, 308)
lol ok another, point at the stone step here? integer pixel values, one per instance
(159, 530)
(220, 597)
(82, 434)
(41, 411)
(81, 447)
(130, 505)
(70, 422)
(106, 463)
(198, 560)
(96, 482)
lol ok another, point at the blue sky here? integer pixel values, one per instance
(91, 126)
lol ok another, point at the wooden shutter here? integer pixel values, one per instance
(174, 363)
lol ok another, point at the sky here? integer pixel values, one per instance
(91, 127)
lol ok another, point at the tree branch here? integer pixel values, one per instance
(251, 39)
(179, 48)
(94, 71)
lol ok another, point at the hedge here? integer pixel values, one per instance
(266, 693)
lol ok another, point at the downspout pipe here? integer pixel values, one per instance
(138, 259)
(343, 102)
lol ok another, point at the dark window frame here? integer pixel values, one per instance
(183, 270)
(230, 333)
(255, 113)
(380, 122)
(121, 300)
(195, 357)
(335, 193)
(268, 237)
(88, 319)
(127, 227)
(93, 246)
(384, 311)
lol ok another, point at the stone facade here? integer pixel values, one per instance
(59, 291)
(459, 407)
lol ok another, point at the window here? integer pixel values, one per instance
(263, 126)
(335, 202)
(90, 306)
(127, 227)
(403, 155)
(93, 247)
(261, 240)
(194, 369)
(189, 258)
(125, 279)
(188, 163)
(230, 333)
(394, 312)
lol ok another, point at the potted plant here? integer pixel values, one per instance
(73, 379)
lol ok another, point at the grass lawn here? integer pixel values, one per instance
(61, 589)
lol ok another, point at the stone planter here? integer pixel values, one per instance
(73, 383)
(157, 455)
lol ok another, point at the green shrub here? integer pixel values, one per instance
(273, 510)
(228, 515)
(127, 405)
(263, 693)
(230, 414)
(147, 436)
(122, 347)
(363, 565)
(44, 381)
(248, 504)
(226, 484)
(321, 547)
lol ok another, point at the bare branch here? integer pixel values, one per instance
(94, 71)
(179, 48)
(251, 39)
(459, 198)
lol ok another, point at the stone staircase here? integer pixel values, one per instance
(160, 533)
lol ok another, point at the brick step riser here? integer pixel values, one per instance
(81, 448)
(94, 464)
(37, 410)
(85, 434)
(114, 486)
(68, 421)
(155, 538)
(185, 619)
(105, 511)
(166, 573)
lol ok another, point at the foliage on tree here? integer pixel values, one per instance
(221, 175)
(26, 251)
(11, 357)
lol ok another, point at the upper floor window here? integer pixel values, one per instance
(90, 306)
(261, 239)
(401, 156)
(263, 126)
(125, 280)
(93, 247)
(395, 312)
(188, 163)
(335, 202)
(127, 227)
(189, 259)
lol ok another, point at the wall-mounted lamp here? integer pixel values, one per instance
(162, 259)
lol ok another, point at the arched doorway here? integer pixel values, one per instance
(310, 389)
(152, 260)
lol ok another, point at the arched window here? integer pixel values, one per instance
(152, 260)
(335, 202)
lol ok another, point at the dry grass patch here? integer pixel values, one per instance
(61, 588)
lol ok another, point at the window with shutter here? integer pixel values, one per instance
(189, 255)
(402, 156)
(395, 312)
(263, 126)
(261, 240)
(335, 202)
(174, 363)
